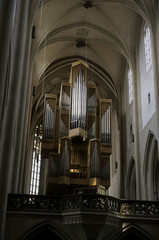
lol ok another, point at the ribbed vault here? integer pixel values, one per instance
(102, 32)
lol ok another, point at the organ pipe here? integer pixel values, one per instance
(65, 101)
(49, 122)
(79, 98)
(105, 126)
(91, 104)
(109, 125)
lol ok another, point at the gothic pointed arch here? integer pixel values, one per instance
(151, 167)
(131, 180)
(46, 231)
(132, 232)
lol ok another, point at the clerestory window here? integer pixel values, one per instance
(148, 52)
(130, 82)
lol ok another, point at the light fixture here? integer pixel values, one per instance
(80, 43)
(87, 4)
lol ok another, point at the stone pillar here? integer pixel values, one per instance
(23, 98)
(14, 115)
(6, 27)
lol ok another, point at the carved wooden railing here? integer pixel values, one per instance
(82, 202)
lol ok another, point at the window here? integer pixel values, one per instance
(35, 173)
(130, 85)
(147, 43)
(131, 134)
(149, 98)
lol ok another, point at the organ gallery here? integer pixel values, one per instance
(77, 135)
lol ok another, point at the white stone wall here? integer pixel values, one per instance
(127, 119)
(146, 84)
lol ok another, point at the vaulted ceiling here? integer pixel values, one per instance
(102, 32)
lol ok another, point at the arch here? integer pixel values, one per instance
(141, 9)
(132, 232)
(131, 180)
(156, 175)
(46, 231)
(94, 67)
(151, 167)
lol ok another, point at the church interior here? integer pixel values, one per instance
(79, 110)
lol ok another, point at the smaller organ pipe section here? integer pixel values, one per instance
(91, 103)
(79, 102)
(49, 118)
(65, 99)
(64, 106)
(49, 122)
(94, 159)
(105, 126)
(65, 157)
(92, 116)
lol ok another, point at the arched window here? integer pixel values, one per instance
(35, 174)
(130, 82)
(148, 52)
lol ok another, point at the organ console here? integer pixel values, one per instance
(77, 134)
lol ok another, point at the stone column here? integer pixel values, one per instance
(23, 99)
(14, 112)
(6, 28)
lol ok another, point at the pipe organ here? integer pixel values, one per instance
(105, 126)
(79, 100)
(49, 116)
(65, 106)
(77, 134)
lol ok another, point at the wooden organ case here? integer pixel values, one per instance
(77, 135)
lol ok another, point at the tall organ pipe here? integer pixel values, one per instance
(105, 126)
(107, 119)
(79, 98)
(109, 124)
(49, 122)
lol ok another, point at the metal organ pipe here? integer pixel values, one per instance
(76, 99)
(85, 102)
(105, 126)
(72, 104)
(109, 124)
(107, 120)
(102, 129)
(79, 98)
(49, 122)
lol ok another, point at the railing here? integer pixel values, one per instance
(82, 202)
